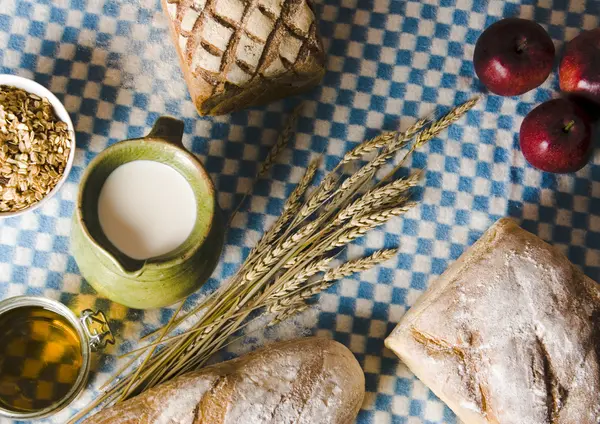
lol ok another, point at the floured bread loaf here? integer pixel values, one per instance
(509, 334)
(306, 381)
(238, 53)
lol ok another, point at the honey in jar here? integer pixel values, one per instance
(40, 358)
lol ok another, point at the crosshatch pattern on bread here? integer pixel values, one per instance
(237, 53)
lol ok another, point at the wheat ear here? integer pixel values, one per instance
(278, 147)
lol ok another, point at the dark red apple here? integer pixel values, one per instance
(579, 71)
(556, 136)
(513, 56)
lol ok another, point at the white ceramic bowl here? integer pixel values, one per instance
(62, 114)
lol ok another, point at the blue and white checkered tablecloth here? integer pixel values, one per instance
(388, 62)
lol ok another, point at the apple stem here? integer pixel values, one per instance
(521, 45)
(568, 127)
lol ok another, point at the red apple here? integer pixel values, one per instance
(556, 136)
(579, 71)
(513, 56)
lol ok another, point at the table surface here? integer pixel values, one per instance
(388, 61)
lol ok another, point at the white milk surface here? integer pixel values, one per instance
(146, 209)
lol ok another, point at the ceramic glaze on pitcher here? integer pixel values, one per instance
(147, 229)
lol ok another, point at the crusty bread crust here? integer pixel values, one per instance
(305, 381)
(235, 54)
(509, 334)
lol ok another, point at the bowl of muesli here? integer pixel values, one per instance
(37, 145)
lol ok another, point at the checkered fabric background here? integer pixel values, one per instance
(389, 61)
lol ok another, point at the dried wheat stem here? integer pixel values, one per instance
(315, 267)
(274, 255)
(375, 219)
(393, 141)
(286, 287)
(282, 141)
(166, 330)
(278, 147)
(377, 198)
(433, 131)
(355, 183)
(359, 265)
(383, 140)
(296, 300)
(321, 194)
(369, 146)
(290, 208)
(290, 311)
(368, 170)
(440, 125)
(302, 186)
(396, 144)
(351, 231)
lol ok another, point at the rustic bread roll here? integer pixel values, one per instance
(306, 381)
(238, 53)
(509, 334)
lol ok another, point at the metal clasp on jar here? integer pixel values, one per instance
(97, 330)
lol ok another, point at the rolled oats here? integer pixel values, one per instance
(34, 148)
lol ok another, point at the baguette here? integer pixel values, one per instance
(508, 334)
(305, 381)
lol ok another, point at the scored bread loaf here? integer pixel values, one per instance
(509, 334)
(238, 53)
(305, 381)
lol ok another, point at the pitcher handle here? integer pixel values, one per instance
(168, 129)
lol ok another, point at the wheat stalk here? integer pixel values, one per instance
(320, 265)
(282, 273)
(392, 141)
(274, 255)
(292, 305)
(345, 270)
(321, 194)
(372, 220)
(377, 198)
(289, 311)
(359, 265)
(351, 232)
(291, 206)
(281, 143)
(433, 131)
(440, 125)
(294, 200)
(383, 140)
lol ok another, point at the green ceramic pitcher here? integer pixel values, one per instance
(162, 280)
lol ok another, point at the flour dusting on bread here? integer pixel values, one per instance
(305, 381)
(235, 53)
(508, 334)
